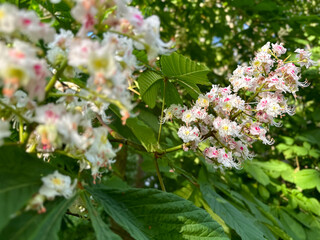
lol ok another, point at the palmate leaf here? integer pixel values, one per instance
(236, 219)
(152, 214)
(146, 80)
(20, 178)
(101, 229)
(307, 179)
(191, 88)
(33, 226)
(141, 131)
(172, 95)
(181, 67)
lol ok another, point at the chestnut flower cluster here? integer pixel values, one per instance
(229, 124)
(52, 114)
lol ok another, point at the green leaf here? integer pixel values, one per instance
(101, 229)
(150, 96)
(20, 178)
(264, 193)
(149, 84)
(256, 172)
(300, 151)
(153, 214)
(276, 168)
(307, 145)
(144, 133)
(172, 95)
(291, 226)
(308, 179)
(288, 140)
(282, 147)
(141, 131)
(33, 226)
(191, 88)
(180, 67)
(244, 226)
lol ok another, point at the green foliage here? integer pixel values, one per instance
(100, 227)
(152, 214)
(149, 83)
(19, 180)
(179, 67)
(33, 226)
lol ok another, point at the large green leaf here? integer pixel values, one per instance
(191, 88)
(172, 95)
(33, 226)
(237, 220)
(144, 133)
(291, 226)
(146, 80)
(20, 178)
(141, 131)
(180, 67)
(276, 168)
(307, 179)
(101, 228)
(150, 96)
(153, 214)
(256, 172)
(149, 84)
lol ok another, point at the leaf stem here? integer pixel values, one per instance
(21, 138)
(68, 95)
(162, 108)
(159, 174)
(249, 100)
(135, 38)
(56, 76)
(13, 110)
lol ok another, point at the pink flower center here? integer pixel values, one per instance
(26, 21)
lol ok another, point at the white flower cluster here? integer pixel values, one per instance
(21, 68)
(231, 124)
(59, 115)
(14, 21)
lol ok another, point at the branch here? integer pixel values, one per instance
(56, 76)
(13, 110)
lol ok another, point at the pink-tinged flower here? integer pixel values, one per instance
(100, 154)
(84, 12)
(174, 111)
(189, 134)
(29, 24)
(48, 138)
(188, 116)
(226, 160)
(202, 101)
(211, 152)
(20, 67)
(255, 129)
(49, 114)
(278, 49)
(226, 128)
(304, 58)
(199, 113)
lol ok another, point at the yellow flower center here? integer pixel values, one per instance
(104, 139)
(100, 63)
(56, 181)
(2, 14)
